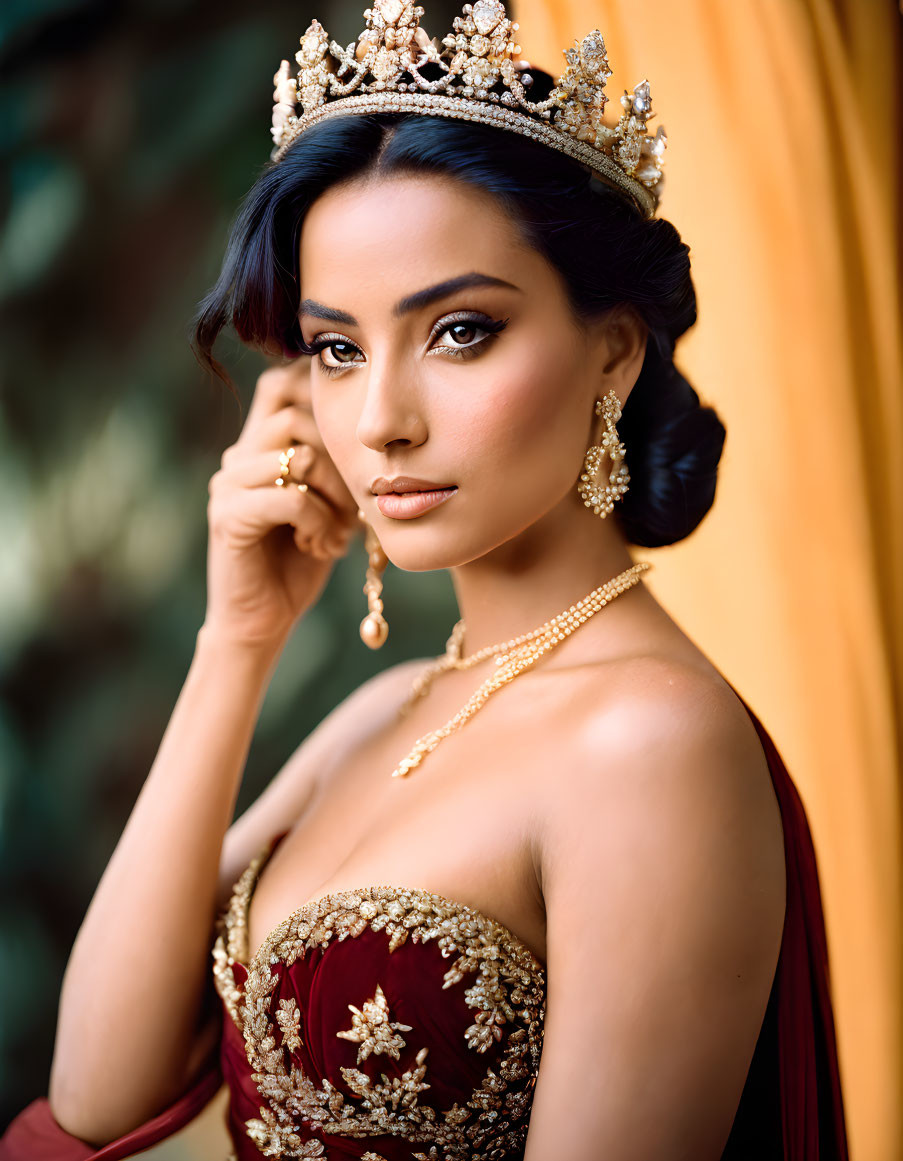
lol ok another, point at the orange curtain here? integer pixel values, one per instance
(782, 174)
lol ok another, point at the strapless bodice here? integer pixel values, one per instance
(390, 1023)
(379, 1023)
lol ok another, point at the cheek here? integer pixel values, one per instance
(531, 406)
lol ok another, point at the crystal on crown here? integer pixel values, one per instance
(480, 78)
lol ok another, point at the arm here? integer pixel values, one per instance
(663, 874)
(104, 1083)
(134, 982)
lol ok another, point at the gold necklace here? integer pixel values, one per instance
(511, 658)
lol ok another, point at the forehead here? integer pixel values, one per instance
(402, 232)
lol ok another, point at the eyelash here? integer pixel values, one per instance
(481, 321)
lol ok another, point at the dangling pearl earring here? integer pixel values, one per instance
(374, 627)
(602, 500)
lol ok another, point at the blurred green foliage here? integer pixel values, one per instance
(129, 131)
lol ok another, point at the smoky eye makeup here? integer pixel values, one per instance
(460, 325)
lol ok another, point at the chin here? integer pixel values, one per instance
(413, 551)
(419, 561)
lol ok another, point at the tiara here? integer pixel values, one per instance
(473, 75)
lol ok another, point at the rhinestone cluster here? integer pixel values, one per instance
(503, 1005)
(482, 80)
(602, 499)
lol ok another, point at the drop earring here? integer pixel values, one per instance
(602, 499)
(374, 627)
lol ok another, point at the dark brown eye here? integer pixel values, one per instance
(466, 336)
(463, 332)
(340, 350)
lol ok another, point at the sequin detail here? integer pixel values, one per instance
(231, 928)
(372, 1029)
(505, 992)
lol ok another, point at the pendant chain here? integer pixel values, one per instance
(511, 658)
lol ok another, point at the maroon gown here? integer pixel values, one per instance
(392, 1024)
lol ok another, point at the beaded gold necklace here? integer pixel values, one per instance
(511, 659)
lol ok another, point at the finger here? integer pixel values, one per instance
(263, 469)
(289, 423)
(276, 388)
(298, 379)
(249, 513)
(296, 424)
(336, 528)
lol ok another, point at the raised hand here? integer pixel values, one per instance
(271, 548)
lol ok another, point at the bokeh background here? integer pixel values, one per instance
(130, 130)
(129, 133)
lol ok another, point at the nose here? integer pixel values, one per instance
(391, 415)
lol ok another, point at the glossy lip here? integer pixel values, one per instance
(408, 505)
(382, 487)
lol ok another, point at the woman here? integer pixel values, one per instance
(583, 919)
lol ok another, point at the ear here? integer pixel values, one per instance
(621, 348)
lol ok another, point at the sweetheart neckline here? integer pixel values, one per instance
(459, 907)
(270, 847)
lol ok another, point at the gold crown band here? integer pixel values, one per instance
(462, 109)
(480, 79)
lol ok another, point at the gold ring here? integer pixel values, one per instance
(285, 459)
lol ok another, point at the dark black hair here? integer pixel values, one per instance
(606, 252)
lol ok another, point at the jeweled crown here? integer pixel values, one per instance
(479, 78)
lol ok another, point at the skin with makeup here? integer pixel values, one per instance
(612, 807)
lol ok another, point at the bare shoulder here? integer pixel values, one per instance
(389, 681)
(347, 727)
(369, 707)
(354, 721)
(669, 721)
(666, 769)
(663, 878)
(365, 710)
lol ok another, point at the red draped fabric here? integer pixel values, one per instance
(34, 1135)
(791, 1107)
(806, 1077)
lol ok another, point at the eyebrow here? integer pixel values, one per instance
(411, 302)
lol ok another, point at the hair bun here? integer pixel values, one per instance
(673, 444)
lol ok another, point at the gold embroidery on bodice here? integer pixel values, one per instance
(506, 995)
(371, 1028)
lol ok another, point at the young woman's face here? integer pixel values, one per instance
(447, 353)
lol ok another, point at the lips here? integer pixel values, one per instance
(402, 484)
(407, 505)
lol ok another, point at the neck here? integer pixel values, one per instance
(537, 575)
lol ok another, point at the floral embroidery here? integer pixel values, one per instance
(231, 929)
(274, 1140)
(505, 992)
(399, 1093)
(372, 1028)
(289, 1019)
